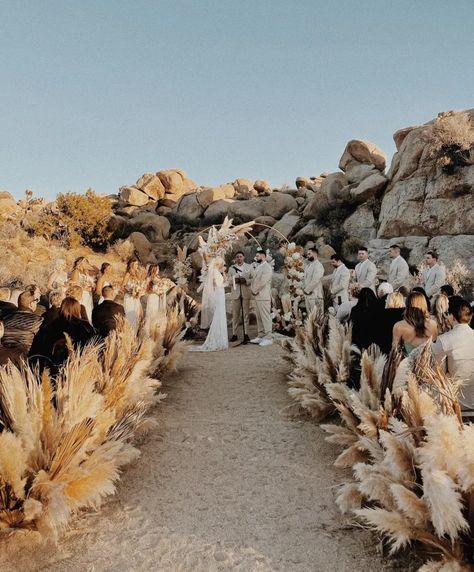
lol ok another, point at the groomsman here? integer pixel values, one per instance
(339, 281)
(365, 270)
(240, 295)
(312, 281)
(261, 288)
(399, 273)
(434, 276)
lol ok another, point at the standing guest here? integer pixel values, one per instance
(83, 276)
(261, 289)
(6, 306)
(389, 316)
(104, 279)
(365, 270)
(22, 325)
(441, 313)
(417, 326)
(434, 276)
(312, 281)
(156, 304)
(339, 281)
(455, 349)
(399, 273)
(134, 288)
(52, 313)
(58, 279)
(75, 292)
(240, 295)
(106, 314)
(364, 319)
(447, 289)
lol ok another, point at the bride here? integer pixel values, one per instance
(213, 304)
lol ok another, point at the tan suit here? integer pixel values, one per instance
(261, 287)
(366, 273)
(243, 271)
(340, 285)
(433, 279)
(399, 273)
(312, 285)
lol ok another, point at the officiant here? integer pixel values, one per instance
(240, 295)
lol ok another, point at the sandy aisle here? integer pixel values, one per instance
(227, 482)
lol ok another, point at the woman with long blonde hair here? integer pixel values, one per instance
(83, 274)
(417, 325)
(134, 289)
(157, 288)
(440, 307)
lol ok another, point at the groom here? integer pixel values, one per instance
(240, 295)
(261, 288)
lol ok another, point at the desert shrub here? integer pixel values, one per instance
(332, 217)
(75, 220)
(350, 247)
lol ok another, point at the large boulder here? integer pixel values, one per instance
(154, 227)
(311, 232)
(452, 248)
(246, 211)
(151, 185)
(335, 187)
(286, 225)
(243, 185)
(216, 212)
(210, 195)
(133, 196)
(358, 173)
(228, 190)
(361, 224)
(143, 248)
(277, 204)
(263, 222)
(8, 205)
(358, 151)
(316, 204)
(176, 182)
(369, 188)
(262, 187)
(190, 206)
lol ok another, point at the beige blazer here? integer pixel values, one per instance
(313, 274)
(399, 273)
(433, 279)
(340, 283)
(366, 273)
(235, 292)
(261, 282)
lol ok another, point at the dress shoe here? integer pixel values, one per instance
(256, 341)
(234, 338)
(246, 339)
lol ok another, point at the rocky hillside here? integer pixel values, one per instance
(424, 201)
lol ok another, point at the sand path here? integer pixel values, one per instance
(229, 481)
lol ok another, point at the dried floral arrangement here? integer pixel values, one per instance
(182, 269)
(287, 315)
(64, 441)
(411, 456)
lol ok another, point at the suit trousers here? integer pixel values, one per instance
(264, 319)
(237, 315)
(311, 302)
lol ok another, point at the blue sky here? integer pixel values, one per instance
(95, 93)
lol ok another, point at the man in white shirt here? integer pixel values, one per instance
(434, 276)
(399, 273)
(312, 281)
(365, 270)
(455, 349)
(339, 281)
(240, 295)
(261, 289)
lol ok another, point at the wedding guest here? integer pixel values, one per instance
(455, 349)
(447, 289)
(106, 314)
(83, 276)
(383, 290)
(13, 355)
(312, 281)
(434, 276)
(421, 290)
(364, 319)
(75, 292)
(157, 288)
(104, 279)
(365, 270)
(440, 308)
(52, 313)
(344, 311)
(389, 316)
(240, 295)
(399, 272)
(339, 281)
(6, 306)
(22, 325)
(261, 287)
(50, 344)
(58, 279)
(417, 325)
(134, 288)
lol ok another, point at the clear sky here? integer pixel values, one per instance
(94, 93)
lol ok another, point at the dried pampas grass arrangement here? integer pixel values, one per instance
(64, 441)
(411, 456)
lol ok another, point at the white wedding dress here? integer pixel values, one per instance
(217, 338)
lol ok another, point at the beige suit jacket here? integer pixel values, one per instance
(261, 282)
(399, 273)
(340, 283)
(433, 279)
(313, 274)
(235, 292)
(366, 273)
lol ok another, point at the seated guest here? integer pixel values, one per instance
(455, 349)
(50, 343)
(5, 305)
(76, 292)
(384, 289)
(417, 326)
(440, 311)
(8, 354)
(404, 291)
(344, 311)
(447, 289)
(364, 319)
(52, 313)
(389, 316)
(104, 316)
(22, 325)
(422, 291)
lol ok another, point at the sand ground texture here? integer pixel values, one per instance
(228, 481)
